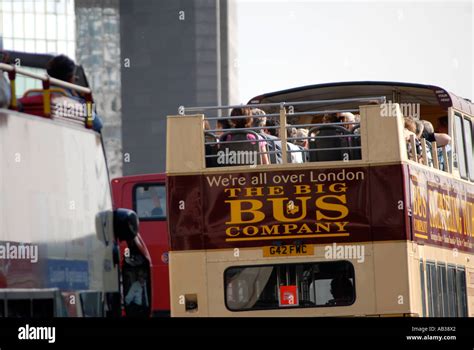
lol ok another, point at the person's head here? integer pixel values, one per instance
(331, 118)
(443, 125)
(302, 133)
(290, 132)
(271, 131)
(206, 125)
(341, 288)
(259, 119)
(428, 127)
(222, 124)
(419, 128)
(155, 198)
(347, 117)
(410, 124)
(62, 67)
(241, 122)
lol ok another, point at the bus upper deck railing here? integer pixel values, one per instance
(430, 154)
(271, 144)
(47, 91)
(300, 132)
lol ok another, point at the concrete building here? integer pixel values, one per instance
(173, 53)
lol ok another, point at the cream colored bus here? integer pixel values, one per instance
(333, 206)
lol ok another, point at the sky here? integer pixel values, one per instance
(284, 44)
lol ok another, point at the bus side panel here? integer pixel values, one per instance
(442, 210)
(388, 221)
(185, 216)
(329, 206)
(53, 183)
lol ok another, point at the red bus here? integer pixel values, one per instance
(147, 194)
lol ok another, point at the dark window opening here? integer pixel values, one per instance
(452, 308)
(447, 295)
(43, 308)
(432, 289)
(442, 290)
(469, 143)
(461, 292)
(19, 308)
(264, 287)
(422, 277)
(460, 147)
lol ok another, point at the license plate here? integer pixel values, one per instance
(288, 250)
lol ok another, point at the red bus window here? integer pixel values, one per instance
(150, 201)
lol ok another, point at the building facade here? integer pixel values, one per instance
(174, 53)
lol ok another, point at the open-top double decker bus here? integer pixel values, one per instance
(59, 235)
(372, 222)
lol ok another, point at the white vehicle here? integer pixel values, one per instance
(59, 253)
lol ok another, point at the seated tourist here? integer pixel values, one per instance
(410, 129)
(246, 123)
(273, 144)
(441, 140)
(222, 124)
(347, 117)
(63, 68)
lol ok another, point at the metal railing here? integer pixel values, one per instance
(429, 155)
(47, 91)
(283, 146)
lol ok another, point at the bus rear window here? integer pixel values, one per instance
(322, 284)
(150, 201)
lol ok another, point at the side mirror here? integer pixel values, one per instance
(103, 226)
(125, 224)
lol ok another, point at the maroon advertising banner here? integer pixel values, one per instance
(286, 207)
(442, 210)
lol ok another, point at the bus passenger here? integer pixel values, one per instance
(347, 117)
(246, 123)
(410, 129)
(63, 68)
(420, 127)
(302, 143)
(222, 124)
(271, 131)
(429, 134)
(300, 133)
(157, 210)
(273, 144)
(342, 291)
(296, 156)
(137, 300)
(442, 140)
(330, 118)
